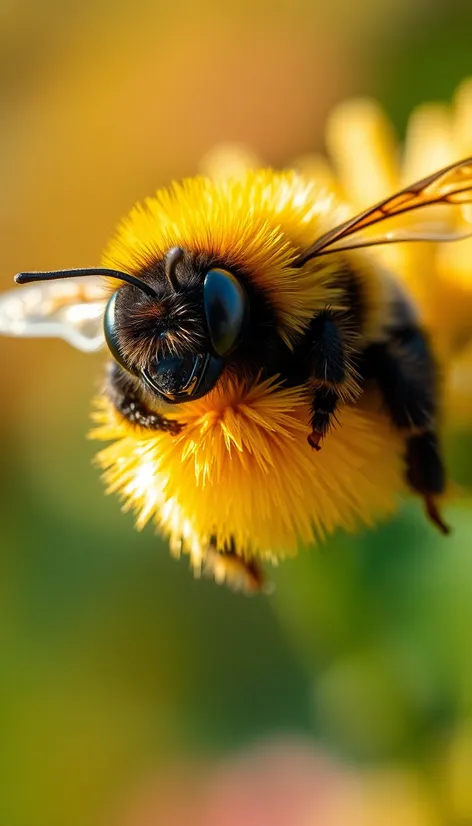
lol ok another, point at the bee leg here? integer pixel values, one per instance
(405, 372)
(425, 473)
(126, 399)
(324, 403)
(226, 565)
(332, 373)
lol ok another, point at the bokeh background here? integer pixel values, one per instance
(131, 694)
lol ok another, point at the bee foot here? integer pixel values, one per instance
(175, 428)
(434, 515)
(314, 439)
(239, 574)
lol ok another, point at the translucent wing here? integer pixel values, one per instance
(72, 310)
(450, 186)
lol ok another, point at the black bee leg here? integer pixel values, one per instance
(125, 396)
(425, 473)
(405, 372)
(333, 373)
(324, 403)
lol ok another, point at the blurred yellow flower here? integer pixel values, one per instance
(370, 165)
(367, 163)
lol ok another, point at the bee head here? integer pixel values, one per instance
(174, 327)
(177, 337)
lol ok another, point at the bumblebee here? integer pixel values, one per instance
(269, 381)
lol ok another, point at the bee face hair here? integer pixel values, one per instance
(170, 324)
(183, 320)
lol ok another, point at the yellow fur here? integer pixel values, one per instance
(241, 469)
(259, 223)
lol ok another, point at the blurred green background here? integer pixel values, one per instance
(114, 662)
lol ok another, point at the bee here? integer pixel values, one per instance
(268, 380)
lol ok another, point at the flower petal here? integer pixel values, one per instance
(229, 160)
(429, 142)
(462, 124)
(362, 143)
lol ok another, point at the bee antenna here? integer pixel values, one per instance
(173, 258)
(29, 277)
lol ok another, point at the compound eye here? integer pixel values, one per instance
(110, 330)
(226, 310)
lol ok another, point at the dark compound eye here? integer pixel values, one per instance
(172, 378)
(110, 329)
(182, 378)
(226, 310)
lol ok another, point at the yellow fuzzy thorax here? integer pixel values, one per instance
(242, 470)
(258, 224)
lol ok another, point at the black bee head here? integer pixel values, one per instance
(183, 320)
(177, 336)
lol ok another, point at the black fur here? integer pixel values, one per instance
(425, 469)
(125, 395)
(348, 282)
(174, 323)
(426, 474)
(327, 358)
(404, 369)
(328, 368)
(324, 403)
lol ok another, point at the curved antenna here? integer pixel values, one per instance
(29, 277)
(173, 258)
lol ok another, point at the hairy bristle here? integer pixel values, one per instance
(242, 465)
(254, 226)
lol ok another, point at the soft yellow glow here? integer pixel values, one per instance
(242, 469)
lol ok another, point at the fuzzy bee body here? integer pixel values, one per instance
(269, 382)
(367, 332)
